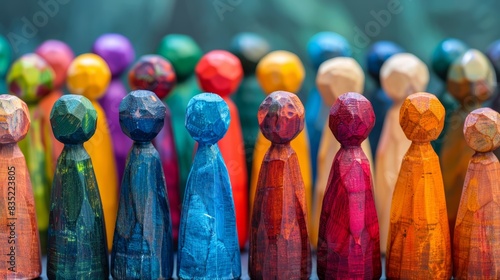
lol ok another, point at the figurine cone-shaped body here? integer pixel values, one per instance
(77, 246)
(419, 239)
(279, 243)
(348, 242)
(476, 240)
(142, 242)
(208, 240)
(21, 252)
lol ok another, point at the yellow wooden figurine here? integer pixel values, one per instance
(89, 75)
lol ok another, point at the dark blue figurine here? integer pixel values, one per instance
(378, 53)
(321, 47)
(208, 241)
(142, 244)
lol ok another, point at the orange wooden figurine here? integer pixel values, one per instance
(476, 243)
(419, 238)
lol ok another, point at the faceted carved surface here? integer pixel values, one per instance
(338, 76)
(154, 73)
(348, 243)
(88, 75)
(279, 242)
(30, 78)
(419, 237)
(280, 70)
(210, 124)
(378, 54)
(445, 54)
(481, 130)
(59, 56)
(141, 115)
(219, 72)
(249, 48)
(326, 45)
(116, 50)
(14, 119)
(5, 55)
(73, 119)
(183, 52)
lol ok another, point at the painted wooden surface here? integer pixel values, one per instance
(5, 60)
(77, 234)
(142, 243)
(419, 238)
(221, 72)
(208, 238)
(476, 249)
(401, 75)
(20, 257)
(89, 76)
(336, 76)
(348, 242)
(279, 242)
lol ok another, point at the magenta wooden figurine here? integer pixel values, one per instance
(348, 241)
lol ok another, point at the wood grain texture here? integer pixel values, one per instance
(20, 257)
(476, 249)
(401, 75)
(348, 242)
(419, 239)
(279, 242)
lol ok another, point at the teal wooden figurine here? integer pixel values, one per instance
(77, 247)
(208, 240)
(142, 243)
(5, 57)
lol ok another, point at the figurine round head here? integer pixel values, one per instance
(281, 117)
(326, 45)
(422, 117)
(89, 76)
(403, 74)
(351, 119)
(59, 56)
(116, 50)
(73, 119)
(219, 72)
(142, 115)
(471, 78)
(14, 119)
(337, 76)
(154, 73)
(378, 53)
(482, 130)
(280, 70)
(493, 53)
(183, 52)
(250, 48)
(30, 78)
(5, 55)
(445, 53)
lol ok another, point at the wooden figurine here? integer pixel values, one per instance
(21, 252)
(89, 76)
(279, 243)
(321, 47)
(250, 48)
(445, 53)
(5, 57)
(31, 78)
(477, 230)
(154, 73)
(401, 75)
(221, 72)
(142, 243)
(336, 76)
(419, 239)
(348, 242)
(184, 53)
(59, 56)
(282, 70)
(118, 53)
(208, 239)
(77, 234)
(471, 81)
(377, 55)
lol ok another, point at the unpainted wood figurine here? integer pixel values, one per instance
(401, 75)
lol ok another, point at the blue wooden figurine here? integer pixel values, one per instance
(142, 244)
(208, 241)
